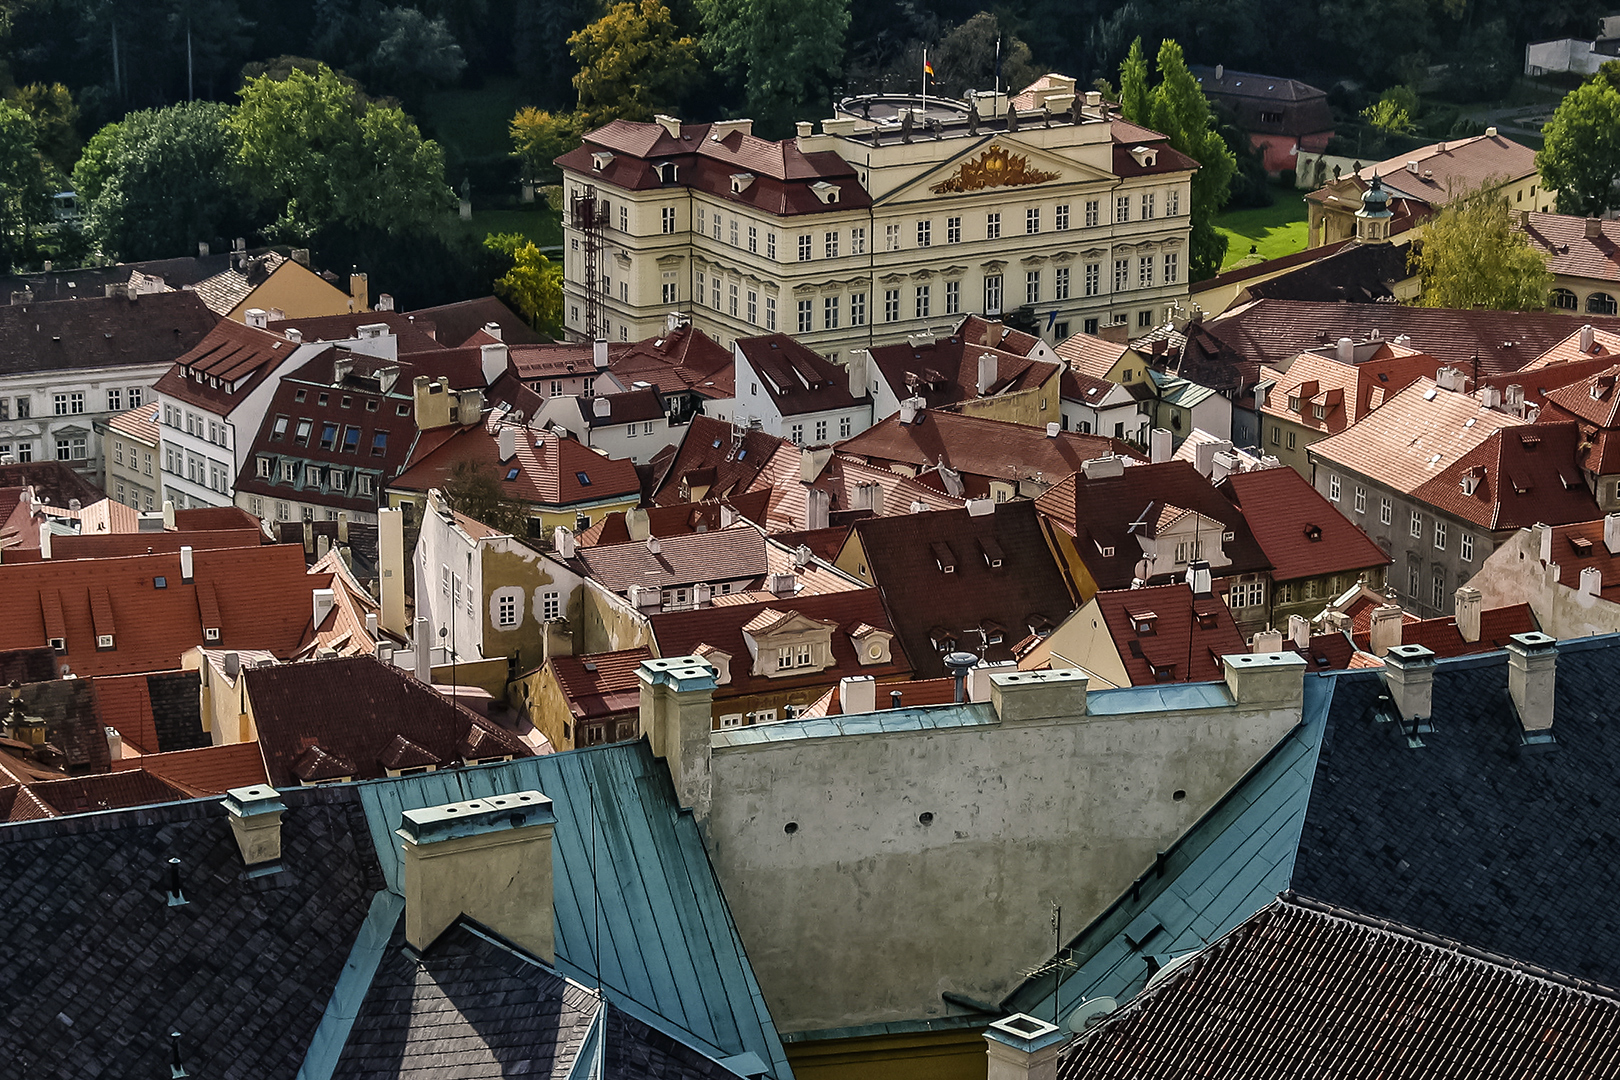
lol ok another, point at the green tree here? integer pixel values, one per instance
(788, 53)
(1177, 108)
(540, 137)
(473, 490)
(533, 285)
(312, 148)
(25, 193)
(966, 58)
(632, 63)
(1472, 256)
(56, 119)
(1581, 156)
(414, 54)
(159, 181)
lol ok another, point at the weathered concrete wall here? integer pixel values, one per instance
(1515, 574)
(863, 913)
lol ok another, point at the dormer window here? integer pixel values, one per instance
(1146, 156)
(104, 641)
(601, 160)
(943, 557)
(1320, 410)
(1293, 403)
(740, 182)
(1144, 622)
(668, 172)
(826, 192)
(792, 657)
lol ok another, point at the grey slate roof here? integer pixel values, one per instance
(71, 335)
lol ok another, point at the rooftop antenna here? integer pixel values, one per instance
(1056, 966)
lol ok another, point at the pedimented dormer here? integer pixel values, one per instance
(872, 646)
(1173, 536)
(784, 643)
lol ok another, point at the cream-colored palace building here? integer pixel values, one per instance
(894, 219)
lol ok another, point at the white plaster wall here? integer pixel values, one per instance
(1514, 574)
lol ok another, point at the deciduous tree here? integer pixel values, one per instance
(633, 62)
(1581, 156)
(24, 192)
(789, 53)
(540, 137)
(533, 285)
(1472, 256)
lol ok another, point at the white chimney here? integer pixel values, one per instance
(987, 372)
(1347, 350)
(601, 407)
(1611, 533)
(1385, 632)
(168, 515)
(187, 566)
(1299, 631)
(494, 358)
(1542, 534)
(1198, 578)
(1022, 1047)
(506, 441)
(1490, 133)
(1490, 397)
(783, 584)
(44, 539)
(702, 592)
(818, 508)
(1099, 468)
(1591, 581)
(371, 625)
(599, 354)
(323, 605)
(422, 646)
(562, 542)
(1267, 641)
(857, 694)
(911, 410)
(1470, 603)
(294, 335)
(258, 318)
(255, 814)
(1588, 338)
(1053, 429)
(858, 368)
(1532, 678)
(1409, 677)
(1159, 440)
(1412, 167)
(980, 507)
(391, 569)
(385, 302)
(493, 329)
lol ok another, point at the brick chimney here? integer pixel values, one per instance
(1022, 1047)
(1532, 678)
(1470, 602)
(677, 703)
(488, 859)
(1409, 677)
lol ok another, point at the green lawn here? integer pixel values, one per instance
(541, 224)
(1274, 231)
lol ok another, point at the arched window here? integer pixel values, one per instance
(1563, 300)
(1600, 304)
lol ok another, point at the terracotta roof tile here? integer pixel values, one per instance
(234, 356)
(1441, 635)
(725, 555)
(1184, 639)
(207, 770)
(1517, 477)
(97, 332)
(549, 471)
(1090, 355)
(600, 684)
(946, 370)
(138, 423)
(1312, 379)
(1301, 533)
(797, 379)
(453, 324)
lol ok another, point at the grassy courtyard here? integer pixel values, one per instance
(1272, 231)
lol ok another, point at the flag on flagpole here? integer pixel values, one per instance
(928, 68)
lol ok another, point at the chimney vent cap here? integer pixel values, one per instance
(476, 817)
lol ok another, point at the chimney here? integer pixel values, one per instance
(493, 329)
(1385, 632)
(1588, 338)
(1159, 445)
(391, 569)
(323, 604)
(1039, 695)
(256, 823)
(1204, 456)
(323, 544)
(858, 369)
(44, 539)
(1412, 167)
(115, 744)
(187, 566)
(1594, 228)
(911, 410)
(677, 706)
(599, 354)
(1267, 641)
(960, 663)
(702, 593)
(360, 292)
(1470, 602)
(494, 357)
(343, 527)
(1532, 676)
(1490, 397)
(1591, 582)
(562, 542)
(1299, 631)
(857, 694)
(638, 524)
(1490, 132)
(782, 584)
(422, 647)
(1053, 429)
(506, 441)
(371, 625)
(818, 508)
(1099, 468)
(232, 663)
(385, 302)
(1611, 533)
(294, 335)
(168, 515)
(1543, 537)
(653, 546)
(1021, 1047)
(1347, 350)
(992, 333)
(601, 407)
(812, 460)
(258, 318)
(670, 124)
(1220, 72)
(987, 373)
(1409, 677)
(341, 368)
(1198, 579)
(488, 859)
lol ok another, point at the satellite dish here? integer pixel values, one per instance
(1144, 569)
(1167, 968)
(1090, 1014)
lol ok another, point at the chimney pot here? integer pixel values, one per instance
(1022, 1047)
(1591, 581)
(1346, 350)
(987, 372)
(422, 647)
(187, 566)
(1385, 632)
(1299, 631)
(562, 541)
(1588, 338)
(1053, 429)
(232, 663)
(677, 703)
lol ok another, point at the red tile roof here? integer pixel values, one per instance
(1519, 476)
(232, 356)
(456, 322)
(111, 545)
(978, 330)
(1346, 393)
(138, 423)
(415, 332)
(1184, 636)
(679, 519)
(1301, 533)
(1580, 546)
(101, 332)
(797, 379)
(714, 456)
(736, 554)
(262, 595)
(1561, 239)
(346, 713)
(208, 770)
(600, 684)
(1605, 345)
(1449, 169)
(946, 371)
(1091, 355)
(550, 471)
(1441, 635)
(1592, 401)
(107, 791)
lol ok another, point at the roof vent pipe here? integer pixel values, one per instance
(177, 898)
(894, 699)
(177, 1068)
(959, 663)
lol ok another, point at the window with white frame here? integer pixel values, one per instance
(829, 313)
(753, 239)
(796, 434)
(1060, 283)
(135, 397)
(1439, 536)
(830, 244)
(992, 294)
(731, 298)
(1093, 278)
(925, 234)
(714, 291)
(1386, 511)
(1122, 274)
(821, 431)
(1032, 287)
(1032, 220)
(506, 610)
(115, 399)
(1333, 487)
(1147, 206)
(770, 245)
(953, 230)
(1122, 209)
(1060, 217)
(953, 297)
(923, 298)
(891, 305)
(857, 240)
(624, 218)
(1417, 525)
(1465, 546)
(550, 605)
(666, 220)
(671, 292)
(1172, 268)
(805, 241)
(1093, 213)
(806, 315)
(1144, 272)
(845, 427)
(753, 307)
(857, 309)
(992, 226)
(699, 297)
(1172, 202)
(1361, 499)
(770, 313)
(1437, 589)
(891, 238)
(734, 232)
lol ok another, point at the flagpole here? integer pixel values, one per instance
(925, 83)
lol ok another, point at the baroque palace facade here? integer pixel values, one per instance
(899, 217)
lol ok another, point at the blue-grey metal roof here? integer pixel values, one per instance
(637, 901)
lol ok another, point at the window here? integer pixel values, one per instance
(1465, 546)
(1147, 206)
(829, 313)
(1093, 282)
(1032, 220)
(1437, 589)
(60, 404)
(845, 427)
(1060, 283)
(118, 453)
(1122, 209)
(753, 308)
(1564, 300)
(289, 472)
(753, 239)
(70, 448)
(796, 434)
(891, 305)
(1290, 440)
(1600, 304)
(278, 430)
(328, 435)
(857, 309)
(1122, 274)
(1386, 511)
(550, 605)
(832, 245)
(1032, 287)
(821, 431)
(857, 241)
(1439, 536)
(1172, 268)
(891, 238)
(1172, 202)
(115, 400)
(733, 232)
(1417, 525)
(25, 406)
(1247, 594)
(1144, 272)
(805, 315)
(351, 439)
(364, 481)
(301, 437)
(671, 292)
(264, 468)
(699, 299)
(992, 226)
(953, 230)
(1060, 332)
(922, 301)
(1144, 319)
(992, 294)
(770, 313)
(146, 463)
(1060, 217)
(714, 291)
(770, 245)
(135, 397)
(731, 298)
(624, 218)
(1412, 574)
(506, 610)
(804, 247)
(925, 234)
(953, 297)
(1361, 499)
(1333, 487)
(1093, 213)
(717, 224)
(379, 443)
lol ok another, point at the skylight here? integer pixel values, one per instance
(583, 478)
(512, 473)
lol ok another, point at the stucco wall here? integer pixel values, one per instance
(1515, 574)
(863, 914)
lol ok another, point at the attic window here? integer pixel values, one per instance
(104, 641)
(1529, 442)
(1145, 156)
(943, 557)
(1582, 546)
(59, 644)
(1321, 411)
(583, 478)
(992, 553)
(160, 583)
(1206, 619)
(512, 473)
(601, 160)
(1313, 533)
(740, 182)
(211, 633)
(1228, 537)
(1144, 622)
(826, 192)
(1164, 672)
(667, 172)
(1293, 403)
